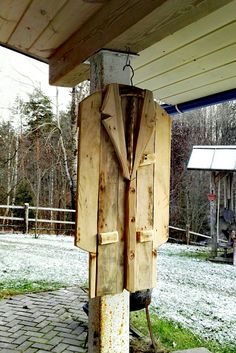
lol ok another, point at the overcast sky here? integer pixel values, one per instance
(18, 77)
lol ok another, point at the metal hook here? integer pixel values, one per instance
(128, 64)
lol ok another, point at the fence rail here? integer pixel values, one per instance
(188, 233)
(26, 219)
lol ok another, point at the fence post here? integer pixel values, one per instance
(187, 234)
(26, 218)
(234, 248)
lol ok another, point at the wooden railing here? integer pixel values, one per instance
(188, 233)
(26, 219)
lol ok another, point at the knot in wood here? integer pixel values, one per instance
(131, 255)
(132, 219)
(154, 253)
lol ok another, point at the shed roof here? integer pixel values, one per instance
(214, 158)
(187, 48)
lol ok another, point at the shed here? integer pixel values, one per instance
(221, 162)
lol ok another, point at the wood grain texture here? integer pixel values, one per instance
(162, 176)
(66, 21)
(146, 129)
(145, 220)
(109, 270)
(147, 158)
(92, 274)
(218, 20)
(118, 17)
(135, 23)
(88, 173)
(108, 238)
(114, 125)
(131, 256)
(35, 20)
(144, 236)
(198, 56)
(10, 13)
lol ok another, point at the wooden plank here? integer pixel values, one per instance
(201, 28)
(201, 80)
(177, 70)
(78, 74)
(11, 12)
(195, 52)
(147, 125)
(131, 255)
(138, 23)
(88, 173)
(93, 35)
(108, 238)
(109, 269)
(145, 277)
(114, 125)
(162, 176)
(163, 21)
(92, 274)
(63, 25)
(144, 236)
(35, 20)
(201, 91)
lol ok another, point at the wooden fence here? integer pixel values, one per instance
(25, 220)
(188, 234)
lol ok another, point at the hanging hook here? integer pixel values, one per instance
(128, 64)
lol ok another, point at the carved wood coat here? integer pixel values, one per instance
(123, 187)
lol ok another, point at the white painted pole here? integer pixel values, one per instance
(109, 314)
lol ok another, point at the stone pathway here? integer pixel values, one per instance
(44, 322)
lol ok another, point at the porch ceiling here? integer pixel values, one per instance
(187, 48)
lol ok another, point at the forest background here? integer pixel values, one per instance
(38, 160)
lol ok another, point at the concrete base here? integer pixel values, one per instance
(194, 350)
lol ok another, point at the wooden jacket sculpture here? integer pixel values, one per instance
(123, 187)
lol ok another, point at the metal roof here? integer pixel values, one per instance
(215, 158)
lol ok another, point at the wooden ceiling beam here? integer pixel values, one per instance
(115, 17)
(122, 24)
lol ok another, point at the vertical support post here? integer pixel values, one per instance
(218, 213)
(213, 217)
(109, 314)
(234, 249)
(26, 218)
(187, 234)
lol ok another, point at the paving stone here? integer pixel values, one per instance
(44, 322)
(60, 348)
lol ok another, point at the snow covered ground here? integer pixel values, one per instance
(198, 294)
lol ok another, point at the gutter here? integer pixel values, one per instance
(200, 102)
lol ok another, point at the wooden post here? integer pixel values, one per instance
(26, 218)
(233, 235)
(234, 249)
(213, 217)
(187, 234)
(109, 314)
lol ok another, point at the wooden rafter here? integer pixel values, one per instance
(136, 24)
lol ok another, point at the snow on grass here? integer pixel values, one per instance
(196, 293)
(48, 258)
